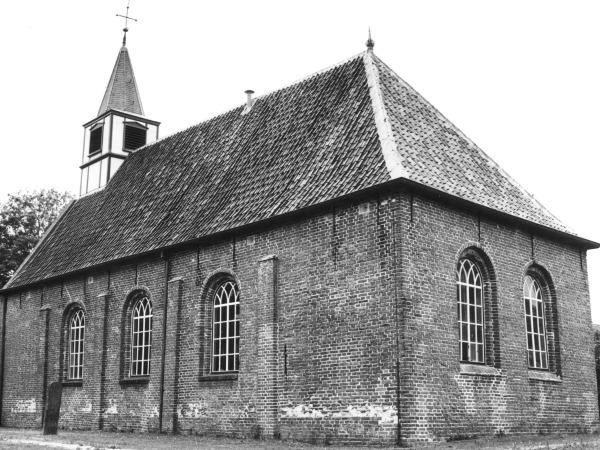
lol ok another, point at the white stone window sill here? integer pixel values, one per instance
(478, 369)
(543, 376)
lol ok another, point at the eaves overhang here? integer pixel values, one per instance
(391, 186)
(125, 114)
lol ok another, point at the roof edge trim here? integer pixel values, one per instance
(109, 86)
(482, 152)
(121, 113)
(572, 239)
(389, 149)
(137, 91)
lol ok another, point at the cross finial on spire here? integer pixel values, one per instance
(126, 17)
(370, 42)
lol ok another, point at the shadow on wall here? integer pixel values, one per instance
(596, 328)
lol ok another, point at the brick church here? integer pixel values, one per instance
(332, 262)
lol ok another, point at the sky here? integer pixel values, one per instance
(521, 79)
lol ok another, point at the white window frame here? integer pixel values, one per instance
(76, 345)
(535, 324)
(469, 294)
(141, 338)
(225, 340)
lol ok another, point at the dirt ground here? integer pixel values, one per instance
(11, 438)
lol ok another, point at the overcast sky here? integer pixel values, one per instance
(520, 78)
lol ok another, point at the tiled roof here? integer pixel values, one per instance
(436, 153)
(348, 128)
(122, 92)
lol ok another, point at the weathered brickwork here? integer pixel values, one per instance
(441, 399)
(348, 323)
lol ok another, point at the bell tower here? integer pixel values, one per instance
(120, 127)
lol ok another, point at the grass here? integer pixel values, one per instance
(12, 438)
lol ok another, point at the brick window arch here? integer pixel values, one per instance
(477, 309)
(469, 293)
(136, 356)
(75, 344)
(541, 320)
(141, 337)
(225, 327)
(220, 327)
(72, 343)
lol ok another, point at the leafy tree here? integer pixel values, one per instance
(23, 219)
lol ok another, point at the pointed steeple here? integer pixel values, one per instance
(122, 93)
(119, 129)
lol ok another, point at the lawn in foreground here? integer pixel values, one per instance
(13, 438)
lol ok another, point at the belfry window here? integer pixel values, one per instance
(95, 139)
(469, 288)
(141, 337)
(135, 136)
(76, 341)
(226, 328)
(537, 348)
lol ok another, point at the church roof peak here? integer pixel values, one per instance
(122, 91)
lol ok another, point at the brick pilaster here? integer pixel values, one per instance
(104, 299)
(169, 413)
(268, 333)
(43, 353)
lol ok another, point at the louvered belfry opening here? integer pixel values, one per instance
(135, 136)
(96, 140)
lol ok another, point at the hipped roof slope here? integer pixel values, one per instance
(343, 130)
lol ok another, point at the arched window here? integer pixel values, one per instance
(469, 288)
(76, 347)
(226, 328)
(537, 348)
(141, 337)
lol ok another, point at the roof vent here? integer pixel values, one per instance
(249, 101)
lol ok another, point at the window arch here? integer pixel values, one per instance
(541, 320)
(141, 337)
(470, 312)
(76, 340)
(225, 328)
(477, 308)
(537, 349)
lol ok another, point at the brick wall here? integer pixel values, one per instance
(442, 399)
(318, 337)
(329, 304)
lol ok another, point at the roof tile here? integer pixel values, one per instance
(305, 144)
(437, 154)
(299, 146)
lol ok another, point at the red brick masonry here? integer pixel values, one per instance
(348, 334)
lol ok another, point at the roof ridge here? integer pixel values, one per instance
(487, 157)
(389, 147)
(232, 109)
(312, 75)
(183, 130)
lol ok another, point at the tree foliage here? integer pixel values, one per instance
(23, 219)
